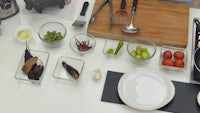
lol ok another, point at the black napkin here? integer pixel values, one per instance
(184, 101)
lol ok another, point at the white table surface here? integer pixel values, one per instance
(53, 96)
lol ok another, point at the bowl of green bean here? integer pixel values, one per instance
(52, 33)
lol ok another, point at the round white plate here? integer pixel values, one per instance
(198, 98)
(144, 89)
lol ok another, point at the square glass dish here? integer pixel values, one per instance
(60, 71)
(113, 47)
(42, 60)
(173, 58)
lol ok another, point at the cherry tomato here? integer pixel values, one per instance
(179, 63)
(167, 54)
(179, 55)
(167, 62)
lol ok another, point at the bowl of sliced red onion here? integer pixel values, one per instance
(82, 43)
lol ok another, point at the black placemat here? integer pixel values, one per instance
(185, 100)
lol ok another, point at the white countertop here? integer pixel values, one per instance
(53, 96)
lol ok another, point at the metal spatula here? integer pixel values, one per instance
(81, 20)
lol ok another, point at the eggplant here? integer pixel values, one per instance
(71, 70)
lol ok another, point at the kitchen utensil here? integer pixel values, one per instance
(197, 64)
(122, 8)
(131, 28)
(81, 20)
(8, 8)
(121, 16)
(99, 8)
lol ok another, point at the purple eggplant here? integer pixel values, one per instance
(71, 70)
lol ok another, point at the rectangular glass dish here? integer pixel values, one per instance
(61, 73)
(42, 60)
(173, 50)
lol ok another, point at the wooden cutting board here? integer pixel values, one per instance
(164, 22)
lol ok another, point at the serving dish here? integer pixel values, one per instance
(52, 33)
(43, 59)
(24, 34)
(144, 89)
(137, 46)
(82, 43)
(198, 98)
(61, 73)
(173, 50)
(113, 47)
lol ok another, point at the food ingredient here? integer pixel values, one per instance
(179, 63)
(30, 67)
(110, 51)
(29, 64)
(120, 44)
(52, 36)
(140, 52)
(83, 45)
(24, 34)
(175, 59)
(167, 62)
(36, 72)
(178, 55)
(71, 70)
(167, 54)
(97, 74)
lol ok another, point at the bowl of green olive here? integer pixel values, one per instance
(52, 33)
(141, 49)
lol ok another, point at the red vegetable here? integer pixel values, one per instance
(179, 55)
(179, 63)
(167, 54)
(83, 45)
(168, 62)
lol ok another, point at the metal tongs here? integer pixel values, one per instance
(99, 8)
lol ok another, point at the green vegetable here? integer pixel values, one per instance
(120, 44)
(133, 53)
(140, 52)
(110, 51)
(52, 36)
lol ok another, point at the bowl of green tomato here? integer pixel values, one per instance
(52, 33)
(141, 49)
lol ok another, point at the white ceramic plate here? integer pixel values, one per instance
(198, 98)
(144, 89)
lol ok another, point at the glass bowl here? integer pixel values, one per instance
(24, 34)
(42, 60)
(113, 47)
(172, 59)
(82, 43)
(52, 33)
(60, 71)
(141, 49)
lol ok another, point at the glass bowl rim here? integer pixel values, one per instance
(86, 34)
(142, 39)
(52, 22)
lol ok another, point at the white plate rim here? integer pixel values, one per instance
(165, 102)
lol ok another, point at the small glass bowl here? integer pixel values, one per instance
(80, 43)
(61, 73)
(110, 48)
(52, 27)
(144, 43)
(24, 34)
(172, 49)
(42, 60)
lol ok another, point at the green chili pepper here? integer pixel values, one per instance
(120, 44)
